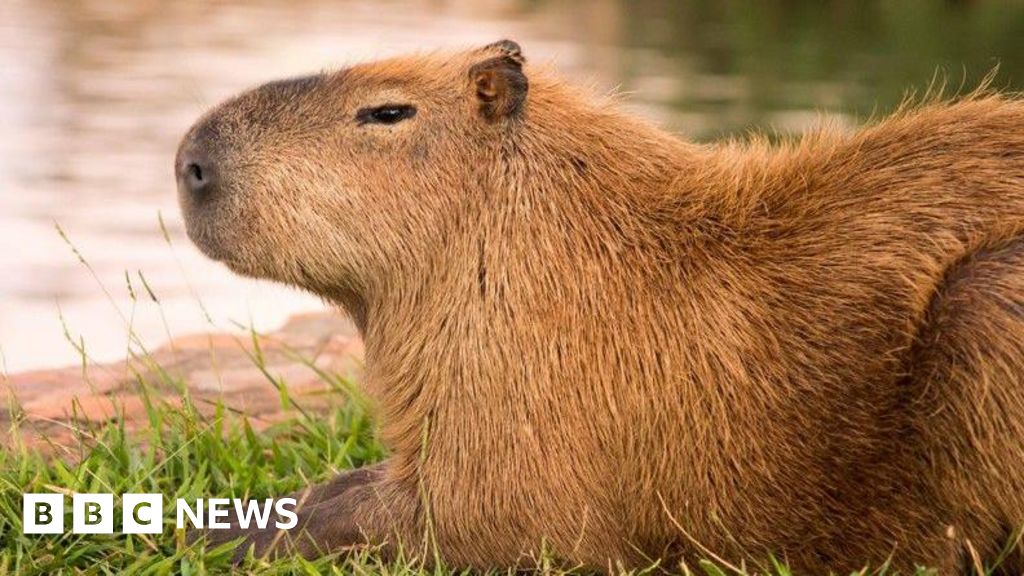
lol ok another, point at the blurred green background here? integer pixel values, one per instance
(95, 94)
(739, 64)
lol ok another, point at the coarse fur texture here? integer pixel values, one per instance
(586, 334)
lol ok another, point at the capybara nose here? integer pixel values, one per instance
(197, 176)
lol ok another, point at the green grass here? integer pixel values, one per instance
(182, 454)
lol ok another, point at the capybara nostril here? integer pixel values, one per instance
(197, 177)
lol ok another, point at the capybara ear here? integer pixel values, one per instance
(505, 47)
(499, 82)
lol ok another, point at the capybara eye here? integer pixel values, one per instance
(386, 114)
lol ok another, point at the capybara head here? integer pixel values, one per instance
(330, 181)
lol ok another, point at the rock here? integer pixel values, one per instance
(224, 367)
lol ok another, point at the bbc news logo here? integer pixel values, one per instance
(144, 513)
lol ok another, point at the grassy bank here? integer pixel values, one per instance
(183, 454)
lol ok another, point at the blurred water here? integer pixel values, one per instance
(94, 96)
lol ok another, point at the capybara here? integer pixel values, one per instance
(589, 339)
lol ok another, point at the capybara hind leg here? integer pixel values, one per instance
(967, 379)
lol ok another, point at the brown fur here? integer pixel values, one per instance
(584, 332)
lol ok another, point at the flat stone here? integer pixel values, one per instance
(215, 368)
